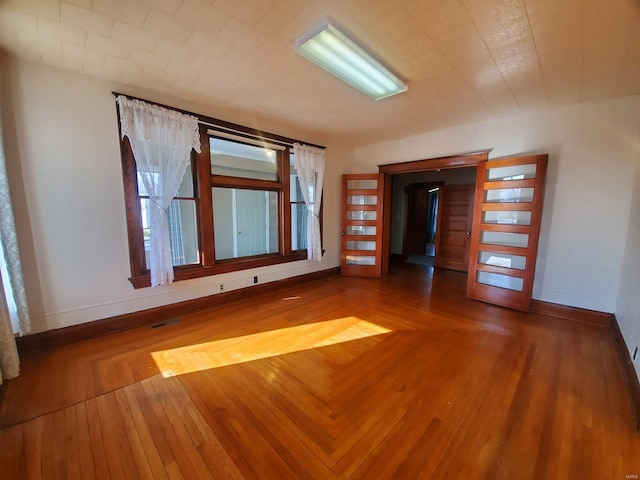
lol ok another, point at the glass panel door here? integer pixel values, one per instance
(362, 204)
(506, 227)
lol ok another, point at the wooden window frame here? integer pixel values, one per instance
(203, 185)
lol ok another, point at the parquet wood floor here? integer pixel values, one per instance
(394, 378)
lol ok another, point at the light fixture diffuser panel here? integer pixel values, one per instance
(332, 50)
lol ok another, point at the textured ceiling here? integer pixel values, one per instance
(464, 60)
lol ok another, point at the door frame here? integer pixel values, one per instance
(462, 160)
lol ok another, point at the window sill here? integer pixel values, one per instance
(223, 266)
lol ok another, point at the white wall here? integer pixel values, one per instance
(628, 307)
(592, 154)
(64, 163)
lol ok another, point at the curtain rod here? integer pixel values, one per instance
(211, 122)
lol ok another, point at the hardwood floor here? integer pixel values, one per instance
(399, 378)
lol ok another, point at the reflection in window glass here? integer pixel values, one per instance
(245, 222)
(509, 195)
(505, 239)
(503, 260)
(501, 281)
(360, 260)
(360, 245)
(362, 184)
(183, 231)
(242, 160)
(362, 199)
(361, 230)
(507, 217)
(361, 215)
(515, 172)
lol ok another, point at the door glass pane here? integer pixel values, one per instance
(242, 160)
(361, 230)
(507, 217)
(245, 222)
(298, 226)
(362, 184)
(505, 239)
(360, 245)
(502, 281)
(183, 231)
(509, 195)
(515, 172)
(503, 260)
(361, 215)
(362, 199)
(360, 260)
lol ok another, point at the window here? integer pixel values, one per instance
(239, 206)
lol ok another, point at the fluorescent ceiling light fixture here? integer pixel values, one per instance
(330, 49)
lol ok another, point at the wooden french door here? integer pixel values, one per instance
(506, 226)
(455, 220)
(362, 208)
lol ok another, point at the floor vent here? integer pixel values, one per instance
(164, 324)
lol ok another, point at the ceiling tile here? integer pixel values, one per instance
(202, 15)
(167, 27)
(49, 9)
(56, 30)
(133, 36)
(125, 11)
(74, 15)
(107, 46)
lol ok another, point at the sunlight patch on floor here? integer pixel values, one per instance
(230, 351)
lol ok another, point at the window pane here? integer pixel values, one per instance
(245, 222)
(506, 239)
(183, 232)
(503, 260)
(507, 195)
(240, 160)
(360, 245)
(298, 226)
(186, 186)
(502, 281)
(512, 217)
(360, 260)
(515, 172)
(361, 215)
(362, 184)
(362, 199)
(361, 230)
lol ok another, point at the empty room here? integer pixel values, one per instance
(320, 239)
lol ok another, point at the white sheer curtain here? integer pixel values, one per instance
(309, 163)
(161, 140)
(13, 286)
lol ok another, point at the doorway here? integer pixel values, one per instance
(420, 222)
(431, 217)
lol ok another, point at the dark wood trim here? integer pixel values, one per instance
(592, 317)
(628, 371)
(248, 183)
(63, 336)
(3, 389)
(205, 202)
(461, 160)
(189, 272)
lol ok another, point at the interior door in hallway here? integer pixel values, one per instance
(455, 219)
(504, 240)
(419, 202)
